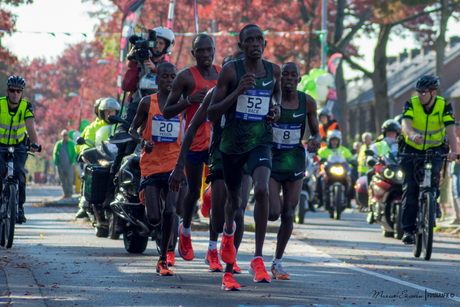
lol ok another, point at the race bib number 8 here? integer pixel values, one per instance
(253, 105)
(166, 131)
(286, 136)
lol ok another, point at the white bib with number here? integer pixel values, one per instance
(286, 136)
(253, 105)
(165, 130)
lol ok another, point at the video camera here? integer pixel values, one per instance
(142, 46)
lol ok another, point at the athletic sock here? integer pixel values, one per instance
(276, 261)
(233, 232)
(186, 231)
(212, 245)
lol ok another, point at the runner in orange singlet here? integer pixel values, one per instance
(161, 145)
(193, 83)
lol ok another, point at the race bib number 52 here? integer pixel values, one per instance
(253, 105)
(166, 131)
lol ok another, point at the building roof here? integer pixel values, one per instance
(401, 76)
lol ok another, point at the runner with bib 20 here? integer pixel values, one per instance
(289, 157)
(254, 87)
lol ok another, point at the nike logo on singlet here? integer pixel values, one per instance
(297, 174)
(296, 115)
(263, 159)
(266, 83)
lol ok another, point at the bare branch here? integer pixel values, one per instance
(362, 19)
(404, 20)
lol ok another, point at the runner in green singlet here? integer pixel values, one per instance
(289, 157)
(254, 88)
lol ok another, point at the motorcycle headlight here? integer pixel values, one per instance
(103, 163)
(10, 149)
(337, 170)
(428, 166)
(306, 173)
(399, 174)
(388, 173)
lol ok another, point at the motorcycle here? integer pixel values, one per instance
(128, 207)
(385, 194)
(308, 196)
(335, 182)
(94, 179)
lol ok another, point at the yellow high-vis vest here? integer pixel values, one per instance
(12, 126)
(430, 126)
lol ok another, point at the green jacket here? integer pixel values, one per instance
(325, 152)
(89, 134)
(362, 160)
(70, 150)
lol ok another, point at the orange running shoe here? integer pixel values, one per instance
(170, 258)
(257, 268)
(227, 249)
(212, 259)
(185, 246)
(236, 268)
(206, 205)
(279, 273)
(162, 268)
(229, 283)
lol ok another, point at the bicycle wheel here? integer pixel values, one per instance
(10, 219)
(428, 225)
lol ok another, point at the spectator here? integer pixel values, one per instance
(65, 157)
(456, 181)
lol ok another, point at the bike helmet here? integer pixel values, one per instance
(16, 81)
(391, 125)
(334, 134)
(168, 36)
(324, 111)
(399, 118)
(428, 82)
(96, 106)
(108, 104)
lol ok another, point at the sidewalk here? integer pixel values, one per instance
(42, 195)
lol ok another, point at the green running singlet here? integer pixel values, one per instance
(245, 124)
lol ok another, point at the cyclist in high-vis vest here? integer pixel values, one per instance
(427, 120)
(17, 118)
(326, 124)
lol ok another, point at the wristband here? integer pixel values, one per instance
(188, 101)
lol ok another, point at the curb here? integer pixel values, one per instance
(69, 202)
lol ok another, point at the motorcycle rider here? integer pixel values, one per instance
(362, 167)
(427, 119)
(326, 124)
(390, 129)
(21, 113)
(108, 106)
(164, 45)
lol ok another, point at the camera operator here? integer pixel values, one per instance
(139, 70)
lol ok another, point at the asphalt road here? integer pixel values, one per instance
(56, 261)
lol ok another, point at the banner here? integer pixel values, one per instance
(130, 16)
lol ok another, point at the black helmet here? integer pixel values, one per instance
(399, 118)
(324, 111)
(391, 125)
(428, 82)
(16, 81)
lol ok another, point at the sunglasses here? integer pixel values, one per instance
(422, 92)
(11, 90)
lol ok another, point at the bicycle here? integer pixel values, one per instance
(426, 209)
(9, 198)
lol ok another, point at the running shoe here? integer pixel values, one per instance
(257, 269)
(212, 259)
(170, 258)
(162, 268)
(185, 246)
(229, 283)
(236, 268)
(227, 249)
(279, 273)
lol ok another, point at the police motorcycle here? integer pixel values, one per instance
(128, 207)
(308, 195)
(385, 193)
(97, 162)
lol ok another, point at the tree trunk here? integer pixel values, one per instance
(379, 78)
(340, 84)
(440, 43)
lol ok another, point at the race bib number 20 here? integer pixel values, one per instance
(166, 131)
(253, 105)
